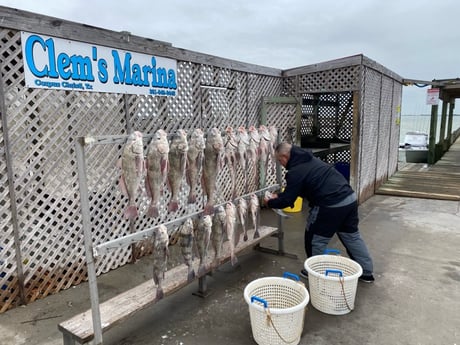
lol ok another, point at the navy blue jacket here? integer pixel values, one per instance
(312, 179)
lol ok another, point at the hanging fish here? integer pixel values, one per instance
(231, 146)
(132, 171)
(241, 154)
(157, 163)
(264, 150)
(243, 143)
(213, 158)
(177, 163)
(217, 236)
(202, 239)
(242, 208)
(254, 212)
(195, 156)
(253, 151)
(160, 257)
(186, 245)
(230, 228)
(274, 142)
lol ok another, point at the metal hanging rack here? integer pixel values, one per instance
(92, 253)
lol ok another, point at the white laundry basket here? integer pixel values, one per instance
(277, 309)
(333, 281)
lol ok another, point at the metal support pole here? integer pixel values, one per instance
(202, 288)
(86, 220)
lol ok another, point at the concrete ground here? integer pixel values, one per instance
(414, 300)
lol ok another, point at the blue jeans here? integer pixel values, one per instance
(324, 222)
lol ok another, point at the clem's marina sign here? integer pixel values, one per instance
(55, 63)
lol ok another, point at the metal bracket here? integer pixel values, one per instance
(203, 291)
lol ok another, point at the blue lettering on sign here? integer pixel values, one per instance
(134, 74)
(63, 66)
(34, 39)
(172, 79)
(102, 73)
(49, 84)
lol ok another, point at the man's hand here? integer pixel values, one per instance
(268, 196)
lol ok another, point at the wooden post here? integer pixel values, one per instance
(432, 137)
(449, 123)
(442, 129)
(355, 141)
(315, 126)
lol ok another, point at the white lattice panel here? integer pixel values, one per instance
(332, 80)
(384, 130)
(394, 127)
(369, 126)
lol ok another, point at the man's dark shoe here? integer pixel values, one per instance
(369, 278)
(304, 273)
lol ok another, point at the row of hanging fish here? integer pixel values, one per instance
(205, 232)
(198, 159)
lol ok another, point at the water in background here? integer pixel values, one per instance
(421, 123)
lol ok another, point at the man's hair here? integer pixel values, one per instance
(283, 149)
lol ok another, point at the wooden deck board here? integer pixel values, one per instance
(438, 181)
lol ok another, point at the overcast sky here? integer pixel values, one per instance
(417, 39)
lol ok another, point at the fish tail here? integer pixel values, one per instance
(173, 206)
(131, 212)
(234, 259)
(191, 198)
(191, 274)
(217, 251)
(153, 211)
(160, 293)
(202, 270)
(209, 209)
(216, 262)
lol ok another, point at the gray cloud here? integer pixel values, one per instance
(416, 39)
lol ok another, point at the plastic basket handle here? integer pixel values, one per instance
(331, 251)
(260, 300)
(291, 275)
(339, 272)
